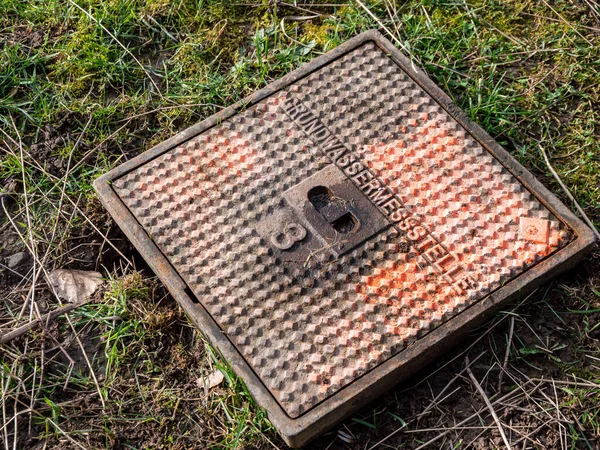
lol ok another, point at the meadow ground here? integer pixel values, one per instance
(88, 84)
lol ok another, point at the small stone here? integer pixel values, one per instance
(14, 261)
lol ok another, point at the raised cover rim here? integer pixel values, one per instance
(330, 410)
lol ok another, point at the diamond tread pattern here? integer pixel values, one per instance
(310, 329)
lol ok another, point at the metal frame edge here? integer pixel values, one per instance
(297, 432)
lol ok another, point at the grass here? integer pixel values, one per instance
(87, 84)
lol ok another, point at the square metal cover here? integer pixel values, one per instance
(331, 233)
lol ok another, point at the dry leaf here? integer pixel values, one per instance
(75, 285)
(213, 379)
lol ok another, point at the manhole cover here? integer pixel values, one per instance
(334, 231)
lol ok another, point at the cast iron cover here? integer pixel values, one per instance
(331, 232)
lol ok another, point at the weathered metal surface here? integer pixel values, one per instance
(348, 219)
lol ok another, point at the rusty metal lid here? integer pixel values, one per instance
(334, 219)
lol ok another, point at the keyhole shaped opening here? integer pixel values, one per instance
(321, 197)
(345, 224)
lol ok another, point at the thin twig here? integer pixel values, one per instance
(568, 193)
(558, 414)
(165, 108)
(7, 337)
(551, 19)
(585, 383)
(567, 22)
(89, 364)
(507, 354)
(90, 152)
(65, 434)
(464, 352)
(64, 187)
(96, 229)
(487, 403)
(92, 18)
(4, 417)
(456, 377)
(34, 161)
(482, 427)
(296, 41)
(380, 23)
(58, 344)
(461, 423)
(28, 216)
